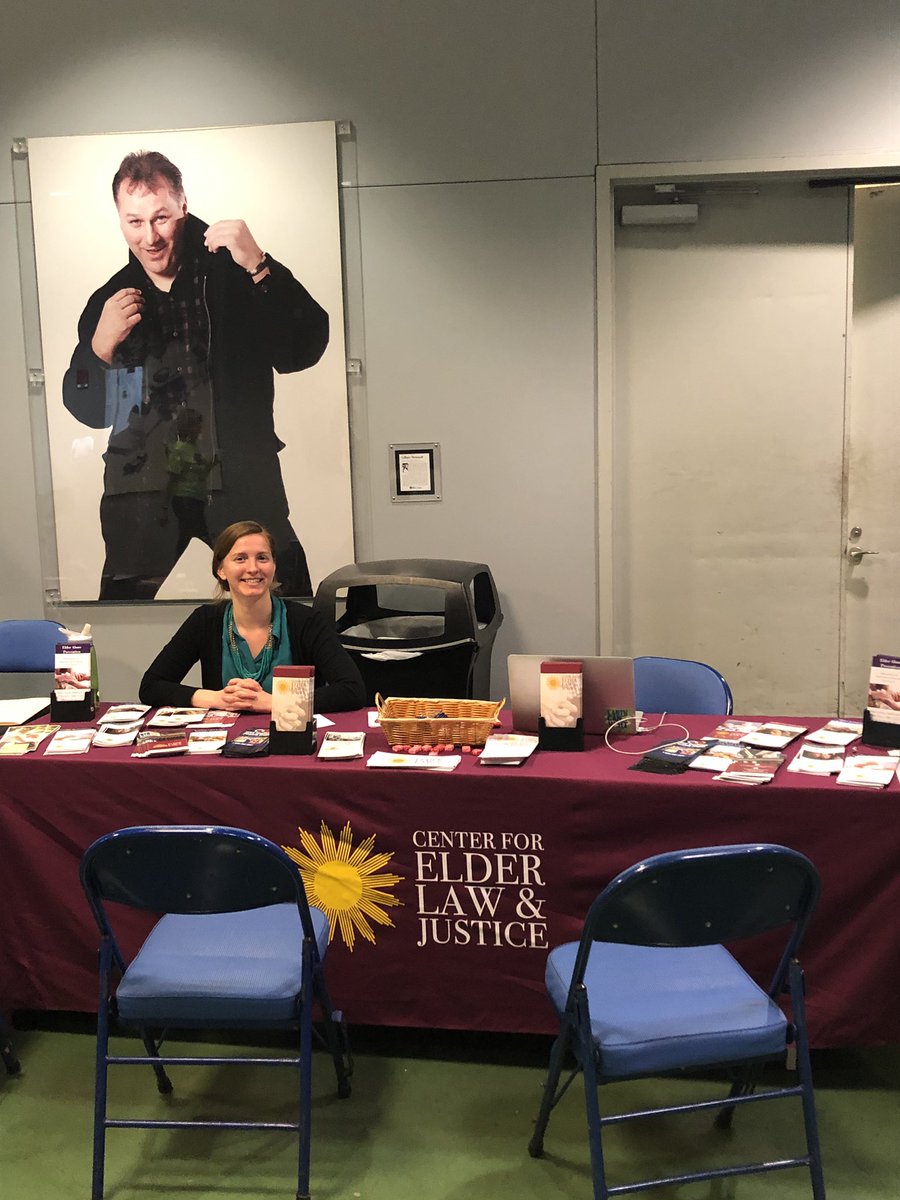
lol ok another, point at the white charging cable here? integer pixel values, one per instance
(661, 724)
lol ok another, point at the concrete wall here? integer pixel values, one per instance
(469, 217)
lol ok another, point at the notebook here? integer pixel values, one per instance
(607, 682)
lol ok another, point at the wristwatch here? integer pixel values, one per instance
(260, 266)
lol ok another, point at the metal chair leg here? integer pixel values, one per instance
(12, 1064)
(550, 1096)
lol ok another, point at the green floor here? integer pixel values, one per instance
(432, 1117)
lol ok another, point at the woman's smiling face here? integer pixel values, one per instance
(248, 568)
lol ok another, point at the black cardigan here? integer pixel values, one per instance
(339, 685)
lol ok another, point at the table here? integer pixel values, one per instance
(448, 888)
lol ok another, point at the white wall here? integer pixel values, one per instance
(469, 220)
(692, 80)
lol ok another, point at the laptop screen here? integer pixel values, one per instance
(607, 689)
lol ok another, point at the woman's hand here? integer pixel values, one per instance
(245, 695)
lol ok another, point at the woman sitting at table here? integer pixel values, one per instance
(246, 632)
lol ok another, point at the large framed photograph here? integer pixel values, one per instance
(192, 322)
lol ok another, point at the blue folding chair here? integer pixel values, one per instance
(238, 948)
(29, 645)
(650, 989)
(679, 685)
(6, 1049)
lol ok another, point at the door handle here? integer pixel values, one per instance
(856, 555)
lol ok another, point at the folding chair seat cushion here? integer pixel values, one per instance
(235, 968)
(657, 1008)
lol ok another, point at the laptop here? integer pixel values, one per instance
(607, 689)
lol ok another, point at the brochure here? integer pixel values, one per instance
(72, 670)
(671, 758)
(732, 730)
(342, 745)
(219, 716)
(116, 735)
(717, 756)
(160, 741)
(508, 749)
(292, 698)
(70, 741)
(868, 770)
(773, 735)
(168, 716)
(817, 759)
(752, 767)
(30, 736)
(836, 732)
(14, 749)
(250, 743)
(425, 762)
(883, 702)
(207, 739)
(124, 714)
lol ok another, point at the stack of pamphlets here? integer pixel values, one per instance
(177, 717)
(22, 739)
(219, 716)
(207, 739)
(752, 767)
(342, 745)
(718, 755)
(70, 741)
(815, 758)
(119, 724)
(116, 735)
(124, 714)
(868, 770)
(836, 732)
(773, 735)
(425, 762)
(151, 742)
(508, 749)
(250, 743)
(671, 758)
(732, 730)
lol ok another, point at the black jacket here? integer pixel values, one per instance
(339, 685)
(254, 328)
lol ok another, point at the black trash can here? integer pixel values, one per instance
(416, 626)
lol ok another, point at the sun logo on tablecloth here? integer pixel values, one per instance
(345, 882)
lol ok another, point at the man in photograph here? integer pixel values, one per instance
(199, 318)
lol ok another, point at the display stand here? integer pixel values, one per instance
(552, 738)
(80, 710)
(880, 733)
(292, 741)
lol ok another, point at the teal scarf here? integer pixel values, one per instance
(239, 663)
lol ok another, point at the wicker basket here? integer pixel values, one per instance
(415, 721)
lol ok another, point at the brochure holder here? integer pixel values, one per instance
(552, 738)
(880, 733)
(561, 720)
(292, 741)
(292, 729)
(74, 675)
(79, 710)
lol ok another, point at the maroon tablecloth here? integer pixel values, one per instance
(448, 889)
